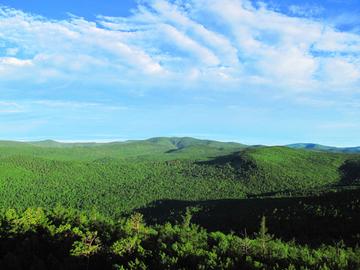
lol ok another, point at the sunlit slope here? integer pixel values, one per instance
(109, 185)
(282, 168)
(119, 177)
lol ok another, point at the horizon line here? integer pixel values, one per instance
(117, 140)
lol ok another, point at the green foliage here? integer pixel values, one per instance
(281, 168)
(116, 178)
(88, 245)
(63, 206)
(75, 241)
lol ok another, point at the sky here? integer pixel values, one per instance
(256, 72)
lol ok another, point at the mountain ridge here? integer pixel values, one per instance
(178, 143)
(326, 148)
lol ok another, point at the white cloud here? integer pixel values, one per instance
(10, 107)
(188, 45)
(228, 42)
(306, 10)
(28, 107)
(216, 42)
(12, 61)
(334, 41)
(290, 67)
(340, 71)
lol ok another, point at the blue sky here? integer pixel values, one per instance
(269, 72)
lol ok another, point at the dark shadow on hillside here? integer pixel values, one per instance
(282, 193)
(41, 250)
(172, 151)
(233, 158)
(240, 161)
(315, 220)
(350, 172)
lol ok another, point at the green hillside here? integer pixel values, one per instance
(90, 196)
(281, 168)
(118, 177)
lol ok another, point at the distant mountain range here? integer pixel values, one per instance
(319, 147)
(180, 143)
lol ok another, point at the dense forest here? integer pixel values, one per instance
(68, 239)
(178, 203)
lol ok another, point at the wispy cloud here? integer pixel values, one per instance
(306, 10)
(230, 41)
(223, 65)
(31, 106)
(10, 107)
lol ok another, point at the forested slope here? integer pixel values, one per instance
(118, 177)
(309, 196)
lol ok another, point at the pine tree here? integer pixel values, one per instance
(263, 235)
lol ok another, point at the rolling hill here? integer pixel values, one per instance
(84, 206)
(319, 147)
(121, 176)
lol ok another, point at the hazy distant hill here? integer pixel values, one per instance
(170, 144)
(183, 142)
(154, 148)
(319, 147)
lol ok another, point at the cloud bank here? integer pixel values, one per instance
(229, 44)
(233, 69)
